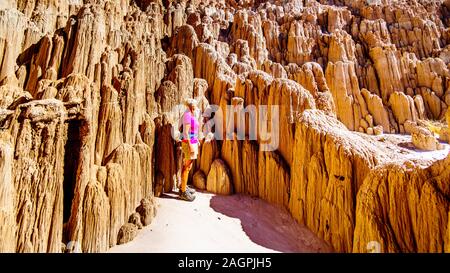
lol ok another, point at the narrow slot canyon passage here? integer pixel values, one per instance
(216, 223)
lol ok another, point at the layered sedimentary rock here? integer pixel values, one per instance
(89, 92)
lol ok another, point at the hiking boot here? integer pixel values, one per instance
(187, 196)
(188, 189)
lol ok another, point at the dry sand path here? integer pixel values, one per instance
(214, 223)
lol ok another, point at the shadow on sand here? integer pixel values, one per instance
(170, 196)
(268, 225)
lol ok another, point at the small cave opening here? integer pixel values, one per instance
(71, 157)
(165, 43)
(339, 177)
(224, 34)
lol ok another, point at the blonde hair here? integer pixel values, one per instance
(190, 103)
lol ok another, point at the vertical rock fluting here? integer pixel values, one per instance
(347, 193)
(7, 199)
(404, 209)
(218, 180)
(83, 148)
(39, 133)
(326, 176)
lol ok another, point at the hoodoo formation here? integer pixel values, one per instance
(87, 96)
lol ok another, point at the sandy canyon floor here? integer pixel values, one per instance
(214, 223)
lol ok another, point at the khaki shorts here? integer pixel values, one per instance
(186, 152)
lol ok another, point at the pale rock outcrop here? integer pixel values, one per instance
(95, 218)
(274, 178)
(363, 163)
(231, 153)
(403, 108)
(431, 73)
(242, 158)
(199, 180)
(284, 99)
(311, 77)
(110, 134)
(341, 48)
(182, 75)
(147, 211)
(38, 167)
(184, 41)
(274, 69)
(135, 219)
(13, 43)
(325, 177)
(72, 133)
(127, 155)
(209, 65)
(165, 165)
(208, 152)
(247, 25)
(7, 197)
(338, 18)
(351, 107)
(447, 117)
(422, 138)
(219, 180)
(301, 42)
(127, 233)
(377, 110)
(271, 31)
(390, 80)
(413, 200)
(175, 16)
(12, 96)
(116, 191)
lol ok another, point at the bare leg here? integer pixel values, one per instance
(185, 174)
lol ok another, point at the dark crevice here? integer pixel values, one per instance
(71, 157)
(339, 177)
(225, 33)
(165, 43)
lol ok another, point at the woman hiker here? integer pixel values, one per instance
(189, 147)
